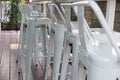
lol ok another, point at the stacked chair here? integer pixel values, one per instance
(93, 58)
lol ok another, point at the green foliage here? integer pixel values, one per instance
(15, 15)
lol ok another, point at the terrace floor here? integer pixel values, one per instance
(8, 55)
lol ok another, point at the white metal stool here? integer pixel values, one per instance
(33, 22)
(62, 38)
(100, 59)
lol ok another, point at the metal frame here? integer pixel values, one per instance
(104, 24)
(110, 10)
(32, 23)
(102, 20)
(74, 73)
(110, 13)
(59, 41)
(62, 38)
(59, 30)
(100, 17)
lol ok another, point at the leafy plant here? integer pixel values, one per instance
(14, 14)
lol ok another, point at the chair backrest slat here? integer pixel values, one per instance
(30, 10)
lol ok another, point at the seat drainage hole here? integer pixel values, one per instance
(117, 79)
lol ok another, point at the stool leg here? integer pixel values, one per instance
(50, 47)
(21, 46)
(20, 51)
(36, 41)
(65, 62)
(30, 36)
(81, 73)
(75, 59)
(44, 35)
(58, 47)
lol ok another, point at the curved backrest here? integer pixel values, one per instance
(30, 10)
(80, 5)
(101, 19)
(52, 7)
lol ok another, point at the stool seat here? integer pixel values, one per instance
(42, 21)
(39, 21)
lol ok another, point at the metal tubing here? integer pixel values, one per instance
(110, 13)
(75, 59)
(102, 20)
(62, 17)
(81, 73)
(65, 61)
(76, 12)
(68, 17)
(82, 29)
(36, 41)
(44, 42)
(30, 42)
(50, 47)
(58, 48)
(21, 45)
